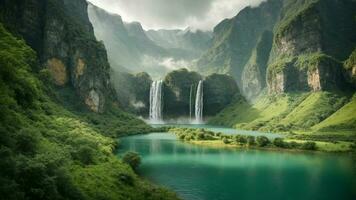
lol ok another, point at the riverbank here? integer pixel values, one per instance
(220, 140)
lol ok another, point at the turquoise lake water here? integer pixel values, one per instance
(205, 173)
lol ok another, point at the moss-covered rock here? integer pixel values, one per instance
(311, 39)
(350, 66)
(219, 91)
(179, 92)
(307, 72)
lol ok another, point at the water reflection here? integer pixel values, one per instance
(197, 172)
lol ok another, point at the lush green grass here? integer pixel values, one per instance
(51, 151)
(315, 108)
(343, 119)
(331, 113)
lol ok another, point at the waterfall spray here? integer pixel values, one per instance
(199, 103)
(156, 101)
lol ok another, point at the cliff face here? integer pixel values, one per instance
(291, 45)
(61, 34)
(254, 73)
(350, 67)
(180, 88)
(179, 91)
(235, 39)
(309, 44)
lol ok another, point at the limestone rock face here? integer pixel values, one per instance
(63, 37)
(58, 71)
(308, 46)
(316, 73)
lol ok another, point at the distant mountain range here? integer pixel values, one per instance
(132, 49)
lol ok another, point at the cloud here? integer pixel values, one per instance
(169, 14)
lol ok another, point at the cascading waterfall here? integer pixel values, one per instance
(190, 102)
(199, 103)
(156, 101)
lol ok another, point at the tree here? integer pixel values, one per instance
(262, 141)
(133, 159)
(251, 140)
(309, 146)
(278, 142)
(241, 139)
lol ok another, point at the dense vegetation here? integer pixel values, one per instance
(50, 151)
(187, 134)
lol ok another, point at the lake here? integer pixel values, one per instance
(204, 173)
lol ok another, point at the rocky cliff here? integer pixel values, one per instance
(180, 87)
(63, 37)
(311, 39)
(302, 43)
(235, 39)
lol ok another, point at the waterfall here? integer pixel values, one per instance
(156, 101)
(199, 103)
(190, 102)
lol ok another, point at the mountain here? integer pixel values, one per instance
(293, 45)
(298, 73)
(311, 40)
(59, 113)
(63, 37)
(126, 43)
(235, 39)
(191, 43)
(132, 49)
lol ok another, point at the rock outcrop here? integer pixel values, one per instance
(307, 48)
(63, 37)
(179, 92)
(219, 91)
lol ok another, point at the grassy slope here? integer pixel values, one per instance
(308, 112)
(51, 152)
(344, 118)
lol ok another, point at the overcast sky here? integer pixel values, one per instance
(170, 14)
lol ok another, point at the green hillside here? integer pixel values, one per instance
(298, 112)
(50, 152)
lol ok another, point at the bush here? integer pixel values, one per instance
(241, 139)
(133, 159)
(309, 146)
(226, 141)
(278, 142)
(251, 140)
(262, 141)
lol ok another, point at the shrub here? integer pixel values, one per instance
(278, 142)
(251, 140)
(133, 159)
(241, 139)
(262, 141)
(309, 146)
(226, 141)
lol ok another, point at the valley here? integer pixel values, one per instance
(259, 103)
